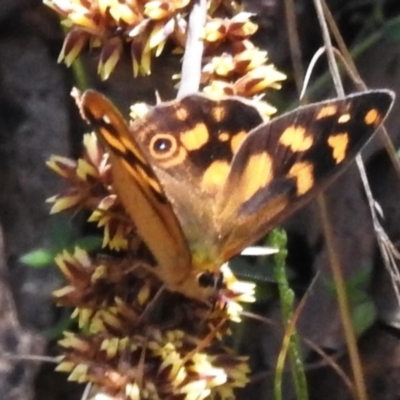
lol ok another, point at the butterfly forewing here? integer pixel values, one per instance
(190, 144)
(138, 187)
(194, 139)
(283, 163)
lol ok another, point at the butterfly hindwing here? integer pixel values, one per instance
(283, 163)
(138, 187)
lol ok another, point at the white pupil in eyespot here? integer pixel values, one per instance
(162, 145)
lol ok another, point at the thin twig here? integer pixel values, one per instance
(29, 357)
(294, 44)
(383, 134)
(314, 61)
(386, 247)
(351, 341)
(191, 64)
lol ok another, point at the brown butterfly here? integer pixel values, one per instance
(203, 179)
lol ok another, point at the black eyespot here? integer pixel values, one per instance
(162, 145)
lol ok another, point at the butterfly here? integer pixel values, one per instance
(203, 179)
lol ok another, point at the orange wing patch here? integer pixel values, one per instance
(237, 141)
(215, 175)
(257, 174)
(344, 118)
(121, 144)
(296, 138)
(339, 144)
(327, 111)
(303, 172)
(223, 136)
(195, 138)
(181, 113)
(373, 117)
(218, 113)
